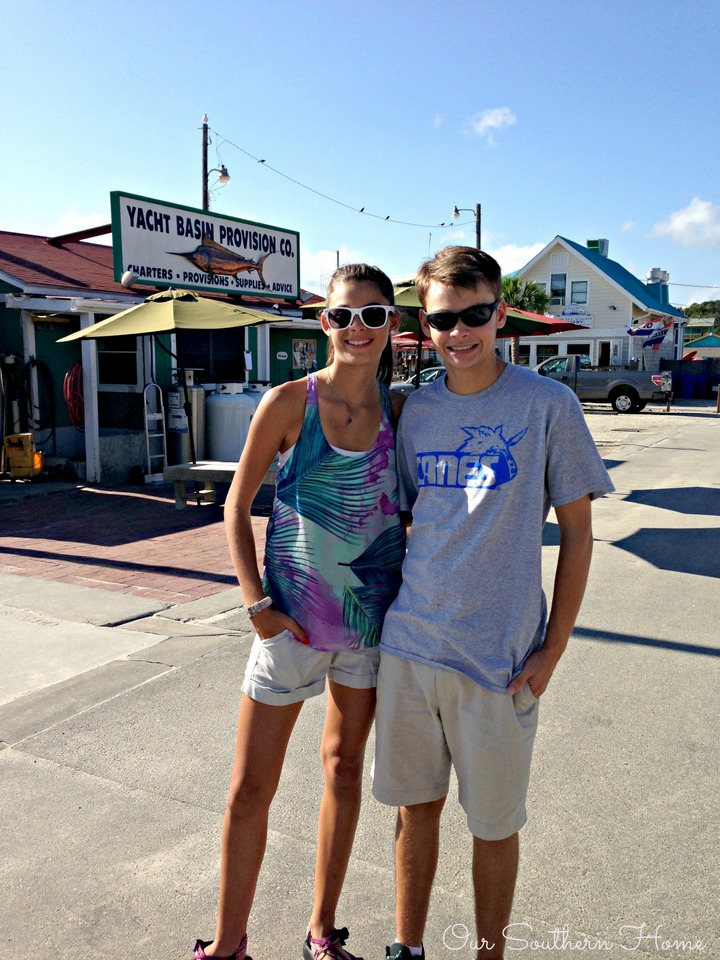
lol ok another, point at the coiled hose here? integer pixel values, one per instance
(73, 394)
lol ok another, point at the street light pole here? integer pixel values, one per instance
(478, 222)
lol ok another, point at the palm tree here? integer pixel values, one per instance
(525, 296)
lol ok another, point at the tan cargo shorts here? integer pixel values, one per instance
(429, 720)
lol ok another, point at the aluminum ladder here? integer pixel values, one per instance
(155, 437)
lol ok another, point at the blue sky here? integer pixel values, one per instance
(585, 119)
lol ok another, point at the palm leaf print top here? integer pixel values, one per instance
(335, 543)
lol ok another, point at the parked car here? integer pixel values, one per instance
(426, 376)
(627, 390)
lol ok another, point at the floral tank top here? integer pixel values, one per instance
(335, 543)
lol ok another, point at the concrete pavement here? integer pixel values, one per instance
(117, 722)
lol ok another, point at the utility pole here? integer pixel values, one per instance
(205, 140)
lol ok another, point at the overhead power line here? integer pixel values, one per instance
(378, 216)
(340, 203)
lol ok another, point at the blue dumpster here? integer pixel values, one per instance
(702, 386)
(687, 386)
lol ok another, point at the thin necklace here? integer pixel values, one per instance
(350, 408)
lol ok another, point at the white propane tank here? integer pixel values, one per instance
(256, 390)
(228, 413)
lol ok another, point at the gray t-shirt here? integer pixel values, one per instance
(480, 473)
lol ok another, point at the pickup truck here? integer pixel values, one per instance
(627, 390)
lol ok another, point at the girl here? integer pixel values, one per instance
(334, 548)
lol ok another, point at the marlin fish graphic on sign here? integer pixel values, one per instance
(482, 461)
(217, 260)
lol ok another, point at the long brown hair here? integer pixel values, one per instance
(365, 273)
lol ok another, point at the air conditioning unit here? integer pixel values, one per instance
(557, 301)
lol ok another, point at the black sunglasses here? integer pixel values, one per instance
(374, 316)
(475, 316)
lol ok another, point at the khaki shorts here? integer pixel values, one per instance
(429, 720)
(282, 670)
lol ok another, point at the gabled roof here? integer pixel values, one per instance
(31, 263)
(37, 266)
(711, 340)
(616, 274)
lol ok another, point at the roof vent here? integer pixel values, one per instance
(656, 275)
(598, 246)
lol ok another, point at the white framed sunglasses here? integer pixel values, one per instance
(374, 316)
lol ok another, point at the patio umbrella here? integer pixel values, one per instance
(172, 310)
(409, 341)
(519, 323)
(176, 310)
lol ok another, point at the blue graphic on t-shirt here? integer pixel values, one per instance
(483, 460)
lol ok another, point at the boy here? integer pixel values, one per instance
(467, 647)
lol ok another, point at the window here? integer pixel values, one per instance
(524, 354)
(541, 284)
(216, 355)
(556, 366)
(578, 291)
(582, 348)
(119, 363)
(558, 285)
(544, 351)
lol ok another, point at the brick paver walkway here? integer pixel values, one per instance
(124, 539)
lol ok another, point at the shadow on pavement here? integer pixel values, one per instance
(684, 551)
(703, 409)
(109, 517)
(610, 636)
(102, 517)
(129, 566)
(702, 501)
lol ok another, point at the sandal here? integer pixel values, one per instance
(240, 953)
(330, 947)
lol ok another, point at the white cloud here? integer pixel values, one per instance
(439, 120)
(512, 257)
(700, 295)
(317, 268)
(698, 225)
(456, 236)
(627, 226)
(73, 220)
(487, 122)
